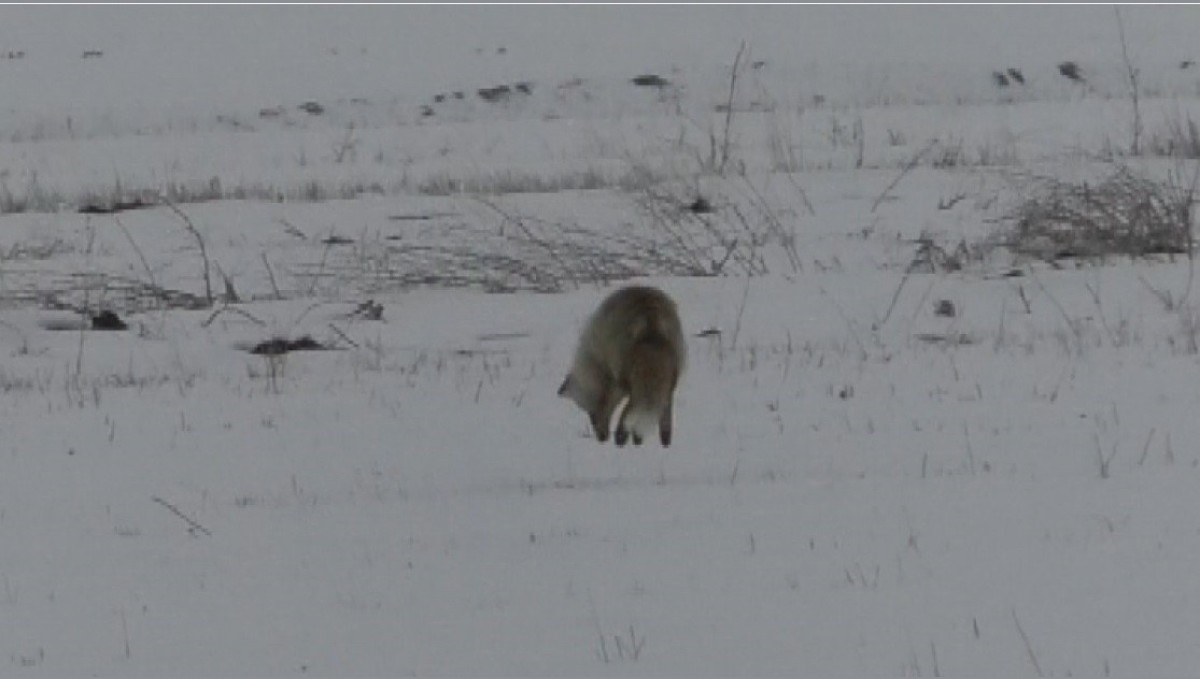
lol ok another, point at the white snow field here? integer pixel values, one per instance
(905, 444)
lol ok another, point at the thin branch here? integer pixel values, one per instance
(193, 526)
(234, 309)
(271, 275)
(733, 76)
(1184, 200)
(316, 277)
(737, 328)
(846, 319)
(141, 255)
(1028, 647)
(191, 227)
(343, 336)
(1072, 325)
(524, 229)
(1095, 293)
(895, 298)
(803, 194)
(1132, 74)
(908, 167)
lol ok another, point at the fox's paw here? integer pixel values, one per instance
(620, 437)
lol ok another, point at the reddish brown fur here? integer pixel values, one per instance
(632, 346)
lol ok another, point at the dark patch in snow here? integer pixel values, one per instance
(701, 206)
(651, 80)
(282, 345)
(495, 94)
(1070, 70)
(944, 308)
(108, 320)
(116, 206)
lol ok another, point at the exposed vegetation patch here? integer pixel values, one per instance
(105, 320)
(79, 292)
(651, 80)
(281, 345)
(499, 93)
(511, 251)
(115, 206)
(1071, 71)
(1124, 214)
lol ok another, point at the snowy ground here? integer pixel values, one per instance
(859, 486)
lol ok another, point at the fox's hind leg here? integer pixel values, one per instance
(664, 423)
(621, 436)
(602, 415)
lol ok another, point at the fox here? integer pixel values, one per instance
(632, 346)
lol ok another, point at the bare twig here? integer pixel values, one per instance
(306, 312)
(733, 76)
(193, 526)
(862, 348)
(291, 229)
(948, 203)
(271, 275)
(191, 227)
(803, 194)
(895, 298)
(1132, 74)
(1072, 324)
(125, 632)
(1028, 647)
(346, 146)
(231, 296)
(137, 250)
(1146, 448)
(1105, 461)
(787, 237)
(908, 167)
(234, 309)
(316, 277)
(737, 328)
(1164, 296)
(82, 334)
(343, 335)
(524, 229)
(1184, 199)
(1095, 294)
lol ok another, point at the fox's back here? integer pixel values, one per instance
(631, 351)
(630, 317)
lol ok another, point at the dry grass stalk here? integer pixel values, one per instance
(1124, 214)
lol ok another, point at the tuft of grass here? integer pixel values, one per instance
(509, 251)
(1126, 213)
(513, 181)
(1178, 137)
